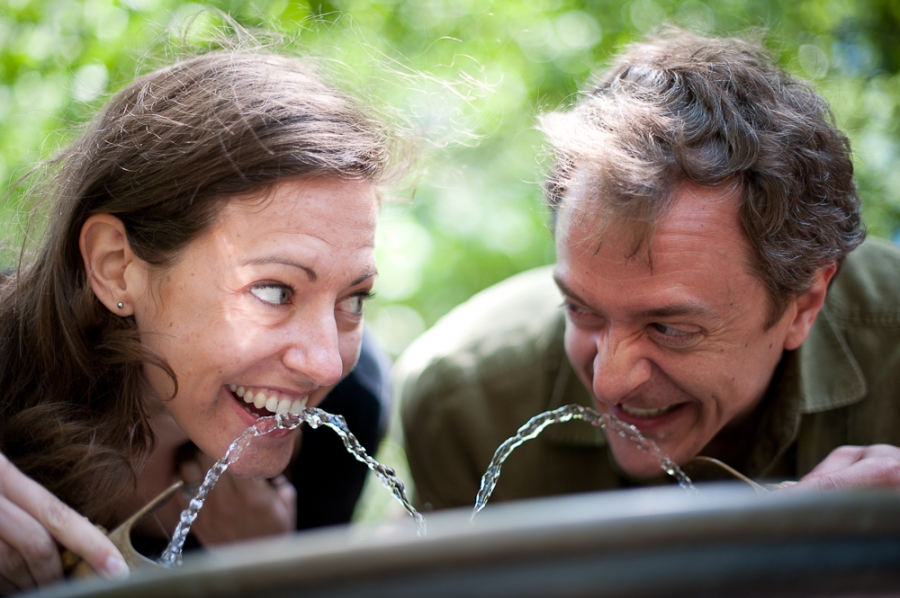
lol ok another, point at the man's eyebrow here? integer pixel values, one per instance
(565, 289)
(680, 309)
(272, 259)
(666, 311)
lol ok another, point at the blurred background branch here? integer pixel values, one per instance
(470, 75)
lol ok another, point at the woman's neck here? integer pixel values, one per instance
(159, 472)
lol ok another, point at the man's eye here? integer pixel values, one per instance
(674, 337)
(582, 317)
(669, 331)
(275, 294)
(574, 309)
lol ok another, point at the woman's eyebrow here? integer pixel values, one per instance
(272, 259)
(364, 277)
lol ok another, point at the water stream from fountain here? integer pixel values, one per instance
(536, 425)
(316, 417)
(171, 557)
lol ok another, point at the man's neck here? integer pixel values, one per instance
(735, 443)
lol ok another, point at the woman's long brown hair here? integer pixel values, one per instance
(164, 156)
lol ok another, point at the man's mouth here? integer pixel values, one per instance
(262, 401)
(638, 412)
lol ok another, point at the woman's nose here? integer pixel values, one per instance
(314, 350)
(619, 367)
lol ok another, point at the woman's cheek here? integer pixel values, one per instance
(350, 346)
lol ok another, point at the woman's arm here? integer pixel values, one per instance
(32, 522)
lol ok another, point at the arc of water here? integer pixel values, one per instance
(536, 425)
(171, 557)
(316, 417)
(387, 476)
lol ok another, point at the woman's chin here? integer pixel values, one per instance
(258, 469)
(263, 462)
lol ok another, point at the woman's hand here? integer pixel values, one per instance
(237, 508)
(32, 521)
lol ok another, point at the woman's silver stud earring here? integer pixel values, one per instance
(120, 305)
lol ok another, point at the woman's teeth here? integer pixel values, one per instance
(645, 412)
(273, 401)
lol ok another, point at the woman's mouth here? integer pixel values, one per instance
(262, 401)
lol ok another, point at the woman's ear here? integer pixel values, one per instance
(808, 306)
(116, 275)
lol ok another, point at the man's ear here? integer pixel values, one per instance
(807, 307)
(116, 275)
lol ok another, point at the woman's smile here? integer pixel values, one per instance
(262, 401)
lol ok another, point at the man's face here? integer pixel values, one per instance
(678, 348)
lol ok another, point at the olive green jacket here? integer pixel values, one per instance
(482, 371)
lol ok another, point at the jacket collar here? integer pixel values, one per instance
(830, 376)
(820, 375)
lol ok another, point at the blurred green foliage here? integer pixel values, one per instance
(470, 76)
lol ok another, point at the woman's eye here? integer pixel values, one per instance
(276, 294)
(352, 305)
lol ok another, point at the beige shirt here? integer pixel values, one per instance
(495, 361)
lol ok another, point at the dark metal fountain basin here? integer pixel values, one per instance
(659, 542)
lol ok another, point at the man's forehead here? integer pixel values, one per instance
(696, 257)
(693, 212)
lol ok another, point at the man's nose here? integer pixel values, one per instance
(620, 366)
(314, 350)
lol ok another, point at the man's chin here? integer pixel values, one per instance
(637, 464)
(641, 472)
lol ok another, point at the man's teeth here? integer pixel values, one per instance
(274, 402)
(635, 411)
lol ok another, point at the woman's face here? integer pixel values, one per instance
(266, 306)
